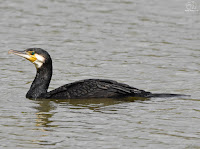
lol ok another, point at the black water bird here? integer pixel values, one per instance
(89, 88)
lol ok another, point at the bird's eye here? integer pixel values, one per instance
(32, 53)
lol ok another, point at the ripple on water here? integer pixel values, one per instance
(151, 45)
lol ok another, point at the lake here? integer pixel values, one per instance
(151, 45)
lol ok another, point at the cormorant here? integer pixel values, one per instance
(89, 88)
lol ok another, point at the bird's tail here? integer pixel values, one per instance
(158, 95)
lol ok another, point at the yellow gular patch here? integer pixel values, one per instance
(32, 58)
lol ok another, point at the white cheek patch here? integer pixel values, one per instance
(40, 58)
(38, 64)
(39, 61)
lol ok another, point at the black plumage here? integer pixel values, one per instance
(89, 88)
(96, 88)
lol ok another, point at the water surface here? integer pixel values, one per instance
(150, 45)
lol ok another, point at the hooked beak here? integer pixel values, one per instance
(23, 54)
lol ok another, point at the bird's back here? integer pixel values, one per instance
(96, 88)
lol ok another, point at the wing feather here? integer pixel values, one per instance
(95, 88)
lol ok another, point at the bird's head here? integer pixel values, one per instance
(35, 55)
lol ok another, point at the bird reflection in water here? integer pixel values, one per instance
(45, 107)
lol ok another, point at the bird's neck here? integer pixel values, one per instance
(41, 82)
